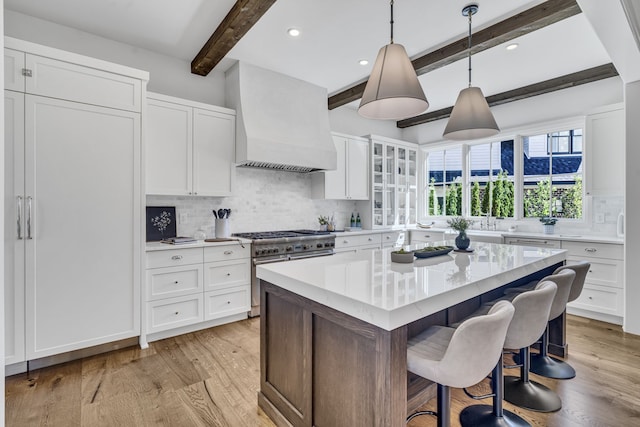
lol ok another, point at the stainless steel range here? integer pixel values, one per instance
(278, 246)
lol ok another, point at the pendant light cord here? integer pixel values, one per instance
(391, 22)
(469, 50)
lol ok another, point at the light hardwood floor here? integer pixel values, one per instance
(210, 378)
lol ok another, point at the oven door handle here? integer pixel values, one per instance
(269, 261)
(310, 255)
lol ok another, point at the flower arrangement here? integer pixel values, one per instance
(547, 220)
(460, 224)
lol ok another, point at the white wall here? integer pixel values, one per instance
(552, 106)
(632, 209)
(347, 120)
(169, 76)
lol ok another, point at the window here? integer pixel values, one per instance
(444, 182)
(488, 178)
(552, 166)
(565, 142)
(491, 179)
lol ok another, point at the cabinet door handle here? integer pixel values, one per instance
(19, 216)
(176, 257)
(591, 250)
(370, 239)
(29, 201)
(176, 282)
(177, 312)
(228, 252)
(228, 274)
(345, 242)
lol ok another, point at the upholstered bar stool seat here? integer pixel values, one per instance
(458, 357)
(529, 318)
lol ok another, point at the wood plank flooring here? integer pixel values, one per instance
(211, 378)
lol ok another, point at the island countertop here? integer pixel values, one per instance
(369, 287)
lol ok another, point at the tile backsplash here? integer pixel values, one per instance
(263, 200)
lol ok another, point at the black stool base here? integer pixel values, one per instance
(483, 416)
(549, 367)
(531, 395)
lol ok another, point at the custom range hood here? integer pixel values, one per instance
(282, 122)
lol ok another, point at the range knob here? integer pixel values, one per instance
(319, 245)
(305, 247)
(263, 251)
(289, 248)
(257, 252)
(276, 250)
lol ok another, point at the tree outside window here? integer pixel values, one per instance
(444, 178)
(553, 174)
(491, 177)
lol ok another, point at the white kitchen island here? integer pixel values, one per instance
(334, 329)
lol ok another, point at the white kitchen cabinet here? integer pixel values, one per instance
(396, 238)
(75, 205)
(426, 236)
(192, 288)
(604, 154)
(602, 297)
(358, 242)
(190, 148)
(350, 181)
(532, 241)
(14, 243)
(13, 70)
(394, 184)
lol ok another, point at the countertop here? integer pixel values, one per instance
(368, 286)
(157, 246)
(578, 237)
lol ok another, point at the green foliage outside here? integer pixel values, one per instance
(476, 203)
(536, 200)
(453, 199)
(572, 200)
(434, 206)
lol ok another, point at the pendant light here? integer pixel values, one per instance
(393, 91)
(471, 117)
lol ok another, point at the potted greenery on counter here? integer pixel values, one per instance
(548, 224)
(461, 225)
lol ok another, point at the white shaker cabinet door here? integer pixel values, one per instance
(13, 69)
(213, 152)
(14, 227)
(82, 173)
(358, 169)
(168, 148)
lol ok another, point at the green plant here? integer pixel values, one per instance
(547, 220)
(572, 200)
(434, 206)
(476, 203)
(459, 223)
(323, 220)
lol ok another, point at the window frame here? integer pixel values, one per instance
(517, 135)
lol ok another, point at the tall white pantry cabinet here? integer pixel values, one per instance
(73, 201)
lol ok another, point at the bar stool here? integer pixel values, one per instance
(542, 364)
(521, 391)
(458, 357)
(528, 321)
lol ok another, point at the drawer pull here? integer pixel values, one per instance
(591, 250)
(345, 242)
(228, 302)
(176, 282)
(388, 237)
(590, 271)
(228, 274)
(370, 239)
(590, 297)
(176, 257)
(177, 312)
(228, 252)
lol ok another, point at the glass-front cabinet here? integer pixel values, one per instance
(395, 183)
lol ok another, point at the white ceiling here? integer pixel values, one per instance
(336, 34)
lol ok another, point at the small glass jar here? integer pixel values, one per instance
(201, 234)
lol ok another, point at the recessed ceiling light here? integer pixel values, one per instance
(293, 32)
(363, 62)
(512, 46)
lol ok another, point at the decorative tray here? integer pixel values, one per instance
(432, 251)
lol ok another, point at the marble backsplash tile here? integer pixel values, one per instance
(263, 200)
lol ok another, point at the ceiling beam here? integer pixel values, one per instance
(567, 81)
(242, 16)
(518, 25)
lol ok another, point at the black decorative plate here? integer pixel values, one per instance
(430, 253)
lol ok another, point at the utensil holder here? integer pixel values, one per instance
(222, 228)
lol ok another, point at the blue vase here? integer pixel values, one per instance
(462, 241)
